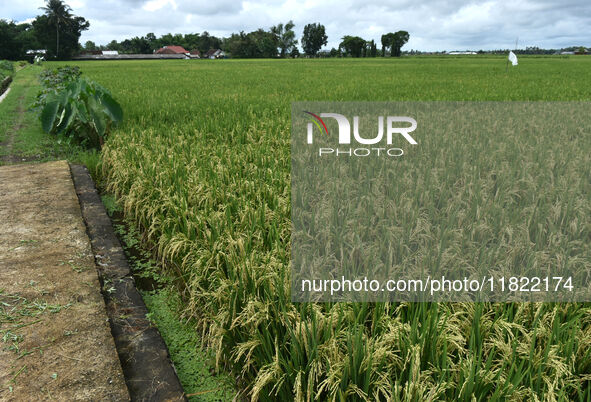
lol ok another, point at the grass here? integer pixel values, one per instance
(194, 366)
(21, 136)
(202, 166)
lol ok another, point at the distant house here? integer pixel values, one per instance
(37, 52)
(456, 53)
(215, 54)
(109, 53)
(567, 52)
(195, 54)
(172, 50)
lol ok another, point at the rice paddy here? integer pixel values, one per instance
(202, 165)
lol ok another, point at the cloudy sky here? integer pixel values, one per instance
(432, 24)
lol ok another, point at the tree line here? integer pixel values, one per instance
(58, 31)
(279, 41)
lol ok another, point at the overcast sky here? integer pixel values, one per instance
(432, 24)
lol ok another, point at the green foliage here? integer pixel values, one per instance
(314, 38)
(16, 39)
(58, 30)
(394, 42)
(110, 204)
(77, 108)
(82, 110)
(53, 81)
(256, 44)
(211, 197)
(285, 37)
(29, 142)
(6, 70)
(6, 67)
(194, 366)
(353, 45)
(147, 44)
(56, 80)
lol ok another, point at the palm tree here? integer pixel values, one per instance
(58, 12)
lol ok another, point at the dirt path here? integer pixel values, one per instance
(55, 340)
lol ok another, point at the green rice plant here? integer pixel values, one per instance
(202, 165)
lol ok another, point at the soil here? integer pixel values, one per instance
(55, 338)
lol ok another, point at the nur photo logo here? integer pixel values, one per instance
(379, 144)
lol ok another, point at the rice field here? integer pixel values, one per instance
(202, 165)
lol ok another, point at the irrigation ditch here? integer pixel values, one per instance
(145, 360)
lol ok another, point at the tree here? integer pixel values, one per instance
(399, 39)
(58, 13)
(90, 46)
(140, 45)
(255, 44)
(207, 42)
(285, 37)
(387, 40)
(113, 45)
(69, 35)
(394, 42)
(67, 28)
(373, 49)
(265, 43)
(16, 39)
(353, 45)
(314, 38)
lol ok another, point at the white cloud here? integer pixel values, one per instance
(432, 24)
(155, 5)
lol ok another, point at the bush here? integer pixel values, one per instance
(6, 70)
(7, 67)
(54, 81)
(6, 73)
(82, 110)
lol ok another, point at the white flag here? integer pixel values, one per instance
(512, 58)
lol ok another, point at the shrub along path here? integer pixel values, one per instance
(21, 136)
(55, 339)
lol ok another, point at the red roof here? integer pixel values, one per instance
(173, 49)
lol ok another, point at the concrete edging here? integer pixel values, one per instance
(5, 87)
(148, 370)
